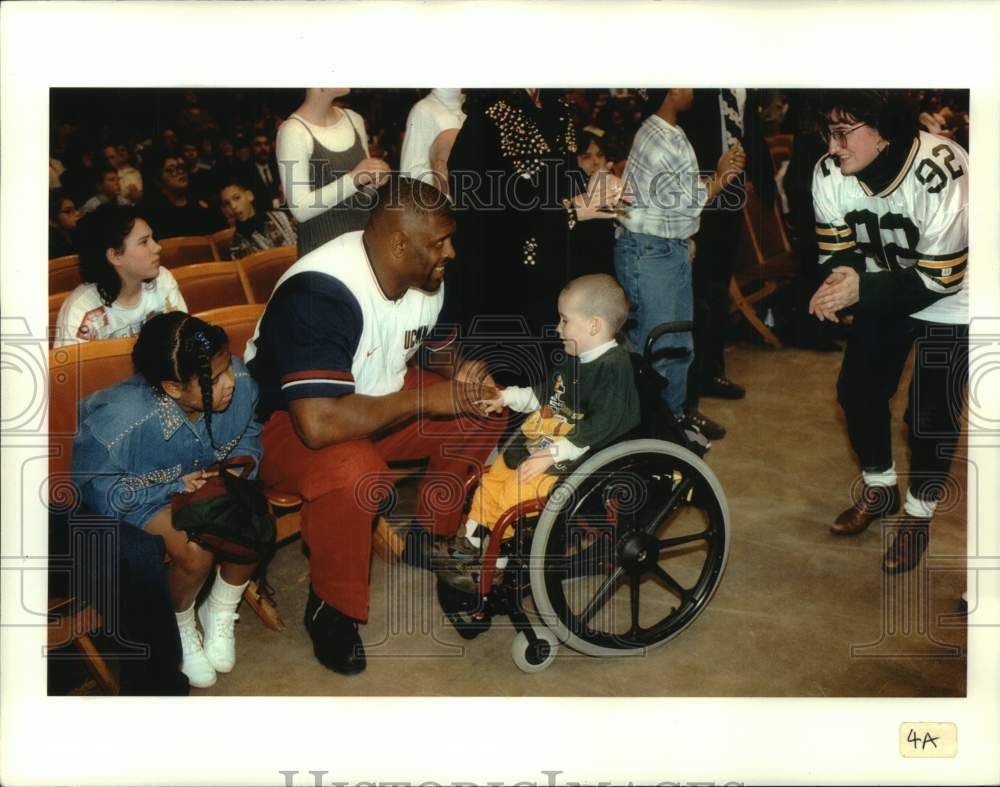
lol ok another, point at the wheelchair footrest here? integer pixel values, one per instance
(467, 612)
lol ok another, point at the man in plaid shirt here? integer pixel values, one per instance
(653, 241)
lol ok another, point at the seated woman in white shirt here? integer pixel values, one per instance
(324, 163)
(124, 284)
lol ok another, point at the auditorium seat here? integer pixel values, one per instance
(209, 285)
(186, 250)
(221, 241)
(264, 268)
(238, 322)
(64, 273)
(55, 304)
(75, 372)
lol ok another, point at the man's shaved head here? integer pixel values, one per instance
(408, 236)
(402, 199)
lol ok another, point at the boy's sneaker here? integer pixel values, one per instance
(457, 548)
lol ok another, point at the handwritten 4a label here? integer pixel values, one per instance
(928, 739)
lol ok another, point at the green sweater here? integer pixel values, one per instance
(598, 399)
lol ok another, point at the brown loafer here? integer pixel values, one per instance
(909, 545)
(875, 502)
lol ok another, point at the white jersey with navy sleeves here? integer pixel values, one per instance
(331, 331)
(914, 230)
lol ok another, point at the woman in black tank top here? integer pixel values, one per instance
(358, 174)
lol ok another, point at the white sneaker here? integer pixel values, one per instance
(195, 664)
(220, 639)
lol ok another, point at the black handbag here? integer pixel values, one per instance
(228, 515)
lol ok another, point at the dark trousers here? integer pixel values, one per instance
(717, 244)
(119, 570)
(876, 353)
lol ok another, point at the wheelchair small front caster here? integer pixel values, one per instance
(534, 656)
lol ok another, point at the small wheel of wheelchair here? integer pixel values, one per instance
(629, 549)
(534, 656)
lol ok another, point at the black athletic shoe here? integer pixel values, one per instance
(335, 638)
(722, 388)
(697, 422)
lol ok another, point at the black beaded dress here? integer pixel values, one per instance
(512, 174)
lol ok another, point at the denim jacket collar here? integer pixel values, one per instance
(170, 414)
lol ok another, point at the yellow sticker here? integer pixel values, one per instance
(928, 739)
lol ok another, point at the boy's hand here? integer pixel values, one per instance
(491, 403)
(534, 466)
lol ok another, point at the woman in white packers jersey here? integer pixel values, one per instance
(892, 229)
(124, 282)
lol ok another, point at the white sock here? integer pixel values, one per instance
(881, 478)
(469, 531)
(225, 596)
(185, 618)
(914, 506)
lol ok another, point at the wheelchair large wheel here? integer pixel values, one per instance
(630, 548)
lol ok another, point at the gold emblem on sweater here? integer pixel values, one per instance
(542, 428)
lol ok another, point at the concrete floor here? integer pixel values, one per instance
(799, 613)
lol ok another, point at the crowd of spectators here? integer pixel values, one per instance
(543, 187)
(194, 162)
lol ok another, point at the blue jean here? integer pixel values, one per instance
(656, 275)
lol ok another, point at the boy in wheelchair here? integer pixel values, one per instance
(592, 401)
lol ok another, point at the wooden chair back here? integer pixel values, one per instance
(765, 233)
(764, 259)
(55, 304)
(221, 241)
(238, 322)
(186, 250)
(64, 274)
(75, 372)
(210, 285)
(264, 268)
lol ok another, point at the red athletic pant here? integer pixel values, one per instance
(343, 487)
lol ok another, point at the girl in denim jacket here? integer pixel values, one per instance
(152, 436)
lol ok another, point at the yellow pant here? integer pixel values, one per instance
(499, 490)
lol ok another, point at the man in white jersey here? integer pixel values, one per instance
(892, 228)
(340, 397)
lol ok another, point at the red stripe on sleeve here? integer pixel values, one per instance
(317, 374)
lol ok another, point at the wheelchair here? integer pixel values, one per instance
(621, 556)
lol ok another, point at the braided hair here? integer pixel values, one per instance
(176, 346)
